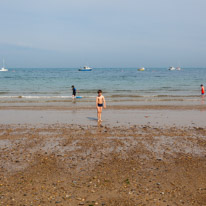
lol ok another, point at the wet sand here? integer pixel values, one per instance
(155, 116)
(135, 157)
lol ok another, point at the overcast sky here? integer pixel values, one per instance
(103, 33)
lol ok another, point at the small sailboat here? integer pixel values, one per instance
(3, 69)
(85, 68)
(141, 69)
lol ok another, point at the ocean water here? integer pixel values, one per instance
(118, 84)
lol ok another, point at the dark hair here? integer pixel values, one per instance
(201, 85)
(99, 91)
(72, 86)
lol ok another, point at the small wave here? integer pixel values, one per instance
(35, 97)
(7, 97)
(119, 95)
(177, 96)
(43, 93)
(45, 97)
(7, 77)
(3, 93)
(42, 97)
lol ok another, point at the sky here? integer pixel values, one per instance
(103, 33)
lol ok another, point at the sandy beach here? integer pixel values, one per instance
(137, 156)
(143, 63)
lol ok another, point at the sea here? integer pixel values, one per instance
(119, 85)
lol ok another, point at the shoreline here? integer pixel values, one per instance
(164, 117)
(78, 106)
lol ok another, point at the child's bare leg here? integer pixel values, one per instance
(100, 116)
(99, 112)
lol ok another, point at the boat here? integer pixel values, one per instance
(141, 69)
(85, 68)
(178, 68)
(3, 69)
(171, 68)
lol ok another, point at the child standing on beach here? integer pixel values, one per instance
(100, 102)
(202, 89)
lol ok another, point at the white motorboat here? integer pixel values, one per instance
(3, 69)
(85, 68)
(178, 68)
(172, 68)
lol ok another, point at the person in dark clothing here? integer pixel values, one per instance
(74, 91)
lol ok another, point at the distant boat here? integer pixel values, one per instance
(171, 68)
(3, 68)
(85, 68)
(141, 69)
(178, 68)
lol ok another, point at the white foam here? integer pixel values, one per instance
(42, 97)
(46, 97)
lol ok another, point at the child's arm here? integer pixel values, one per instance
(96, 102)
(104, 103)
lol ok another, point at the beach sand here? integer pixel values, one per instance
(137, 156)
